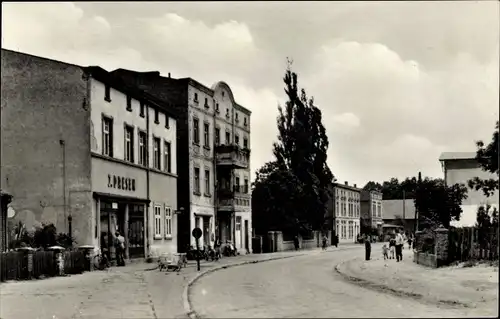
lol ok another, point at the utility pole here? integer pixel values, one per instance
(417, 209)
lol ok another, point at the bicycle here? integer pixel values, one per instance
(100, 261)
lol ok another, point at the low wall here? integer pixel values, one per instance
(425, 259)
(288, 245)
(276, 243)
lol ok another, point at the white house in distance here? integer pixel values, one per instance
(460, 167)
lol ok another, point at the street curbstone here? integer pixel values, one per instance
(394, 291)
(186, 300)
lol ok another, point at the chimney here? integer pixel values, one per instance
(355, 186)
(346, 183)
(169, 75)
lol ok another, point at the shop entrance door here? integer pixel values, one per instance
(206, 231)
(136, 231)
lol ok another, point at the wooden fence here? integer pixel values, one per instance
(18, 265)
(471, 243)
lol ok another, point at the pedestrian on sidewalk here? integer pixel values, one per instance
(368, 248)
(392, 247)
(384, 252)
(399, 246)
(410, 239)
(325, 239)
(296, 242)
(120, 249)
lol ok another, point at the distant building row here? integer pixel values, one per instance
(150, 156)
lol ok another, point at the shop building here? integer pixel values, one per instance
(213, 156)
(78, 143)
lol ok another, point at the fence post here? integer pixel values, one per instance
(441, 245)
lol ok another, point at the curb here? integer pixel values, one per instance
(185, 295)
(394, 291)
(188, 309)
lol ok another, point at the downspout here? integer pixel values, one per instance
(148, 207)
(216, 179)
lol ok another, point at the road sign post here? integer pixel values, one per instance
(197, 232)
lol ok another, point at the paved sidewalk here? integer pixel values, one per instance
(122, 292)
(471, 287)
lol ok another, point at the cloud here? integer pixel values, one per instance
(396, 82)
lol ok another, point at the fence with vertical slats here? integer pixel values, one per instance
(472, 243)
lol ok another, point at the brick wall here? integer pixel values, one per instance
(43, 102)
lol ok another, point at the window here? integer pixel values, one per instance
(344, 230)
(245, 143)
(217, 136)
(238, 223)
(157, 116)
(237, 139)
(245, 190)
(207, 182)
(236, 119)
(206, 134)
(351, 230)
(345, 209)
(245, 121)
(217, 108)
(107, 93)
(206, 103)
(167, 158)
(196, 97)
(129, 103)
(227, 113)
(168, 222)
(142, 109)
(129, 144)
(237, 183)
(374, 210)
(157, 222)
(223, 93)
(228, 138)
(143, 149)
(156, 153)
(107, 136)
(336, 208)
(167, 123)
(196, 134)
(197, 180)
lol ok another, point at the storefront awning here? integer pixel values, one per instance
(121, 198)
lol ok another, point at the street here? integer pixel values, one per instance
(305, 286)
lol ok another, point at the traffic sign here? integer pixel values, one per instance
(197, 233)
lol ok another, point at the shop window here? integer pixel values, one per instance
(168, 222)
(157, 222)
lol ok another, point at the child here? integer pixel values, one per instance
(392, 247)
(385, 251)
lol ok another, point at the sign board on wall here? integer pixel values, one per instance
(118, 179)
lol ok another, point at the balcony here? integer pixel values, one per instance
(233, 200)
(232, 156)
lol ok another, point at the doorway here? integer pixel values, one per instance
(136, 231)
(206, 231)
(247, 240)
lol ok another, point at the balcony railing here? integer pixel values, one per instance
(231, 199)
(232, 156)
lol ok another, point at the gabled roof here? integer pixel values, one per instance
(393, 208)
(451, 156)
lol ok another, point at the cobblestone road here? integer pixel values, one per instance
(304, 286)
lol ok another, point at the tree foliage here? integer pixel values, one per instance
(438, 204)
(292, 191)
(488, 158)
(394, 189)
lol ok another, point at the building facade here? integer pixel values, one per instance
(460, 167)
(399, 212)
(346, 206)
(97, 150)
(213, 156)
(371, 210)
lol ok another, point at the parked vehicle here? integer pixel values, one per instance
(212, 254)
(229, 249)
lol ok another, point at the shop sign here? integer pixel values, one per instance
(120, 182)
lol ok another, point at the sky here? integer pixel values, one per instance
(397, 82)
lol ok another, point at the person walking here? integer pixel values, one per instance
(399, 245)
(325, 239)
(368, 248)
(296, 242)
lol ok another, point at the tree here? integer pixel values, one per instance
(437, 203)
(393, 189)
(488, 158)
(301, 152)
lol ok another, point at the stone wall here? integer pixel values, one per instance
(440, 255)
(276, 242)
(428, 260)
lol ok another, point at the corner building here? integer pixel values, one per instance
(213, 155)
